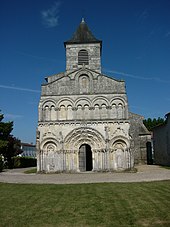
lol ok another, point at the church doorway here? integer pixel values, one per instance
(85, 158)
(149, 153)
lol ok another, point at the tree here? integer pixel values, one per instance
(1, 163)
(9, 145)
(5, 130)
(13, 149)
(151, 123)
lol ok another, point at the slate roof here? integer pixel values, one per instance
(82, 35)
(143, 130)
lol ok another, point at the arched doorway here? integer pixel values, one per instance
(85, 158)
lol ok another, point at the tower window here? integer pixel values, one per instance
(83, 57)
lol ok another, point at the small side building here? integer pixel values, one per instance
(140, 140)
(29, 150)
(161, 142)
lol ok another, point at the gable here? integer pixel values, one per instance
(82, 82)
(108, 84)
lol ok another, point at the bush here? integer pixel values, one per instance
(15, 162)
(22, 162)
(1, 164)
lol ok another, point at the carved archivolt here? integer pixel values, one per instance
(49, 143)
(84, 135)
(120, 142)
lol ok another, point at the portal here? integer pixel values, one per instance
(85, 158)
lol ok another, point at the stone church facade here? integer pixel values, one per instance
(84, 122)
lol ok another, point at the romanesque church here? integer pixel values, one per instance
(84, 122)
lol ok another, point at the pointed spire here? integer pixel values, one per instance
(82, 21)
(83, 35)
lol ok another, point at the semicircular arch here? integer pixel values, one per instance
(78, 136)
(49, 103)
(82, 101)
(100, 100)
(48, 141)
(119, 139)
(83, 72)
(65, 102)
(117, 101)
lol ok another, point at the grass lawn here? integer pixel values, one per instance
(166, 167)
(33, 170)
(106, 204)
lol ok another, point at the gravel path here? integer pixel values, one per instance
(145, 173)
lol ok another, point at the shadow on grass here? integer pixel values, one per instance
(165, 167)
(33, 170)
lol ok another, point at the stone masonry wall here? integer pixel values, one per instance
(139, 138)
(93, 53)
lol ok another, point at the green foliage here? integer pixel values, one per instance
(5, 130)
(151, 123)
(9, 145)
(1, 164)
(23, 162)
(13, 149)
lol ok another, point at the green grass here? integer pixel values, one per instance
(166, 167)
(107, 204)
(33, 170)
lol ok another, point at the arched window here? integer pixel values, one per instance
(83, 57)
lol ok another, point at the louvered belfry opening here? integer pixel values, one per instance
(83, 57)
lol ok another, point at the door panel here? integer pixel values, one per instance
(82, 158)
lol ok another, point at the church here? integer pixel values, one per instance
(84, 123)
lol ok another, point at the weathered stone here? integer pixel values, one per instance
(84, 120)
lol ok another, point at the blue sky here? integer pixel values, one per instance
(136, 48)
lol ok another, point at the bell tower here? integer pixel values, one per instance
(83, 50)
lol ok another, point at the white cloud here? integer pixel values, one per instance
(51, 15)
(19, 88)
(9, 116)
(137, 77)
